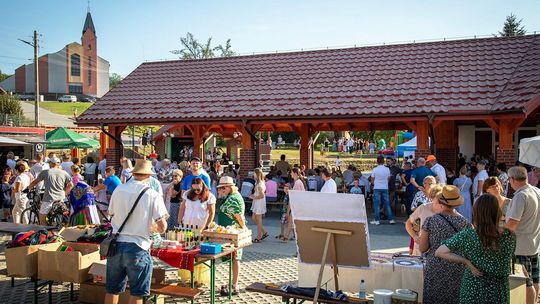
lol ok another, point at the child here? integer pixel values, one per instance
(356, 189)
(101, 199)
(284, 219)
(76, 174)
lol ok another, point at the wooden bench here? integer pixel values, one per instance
(287, 297)
(173, 291)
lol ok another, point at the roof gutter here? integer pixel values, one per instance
(118, 141)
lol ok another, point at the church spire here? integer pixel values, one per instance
(88, 23)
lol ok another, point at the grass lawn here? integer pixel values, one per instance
(363, 162)
(65, 108)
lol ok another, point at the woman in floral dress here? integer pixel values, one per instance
(486, 252)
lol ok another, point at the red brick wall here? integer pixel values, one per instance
(20, 79)
(247, 161)
(266, 150)
(422, 153)
(507, 156)
(447, 157)
(113, 157)
(44, 74)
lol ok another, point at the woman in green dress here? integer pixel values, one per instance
(486, 251)
(231, 212)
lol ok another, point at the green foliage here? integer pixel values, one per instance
(10, 104)
(193, 49)
(114, 80)
(512, 27)
(4, 76)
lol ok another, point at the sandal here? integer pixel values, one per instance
(284, 240)
(279, 236)
(224, 292)
(256, 240)
(265, 235)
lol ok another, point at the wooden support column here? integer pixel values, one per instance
(506, 152)
(74, 153)
(232, 149)
(197, 141)
(446, 143)
(248, 159)
(103, 144)
(422, 139)
(115, 149)
(305, 149)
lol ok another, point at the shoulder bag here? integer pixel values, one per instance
(107, 247)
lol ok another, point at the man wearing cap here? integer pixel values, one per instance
(132, 261)
(431, 162)
(196, 171)
(478, 182)
(523, 218)
(57, 184)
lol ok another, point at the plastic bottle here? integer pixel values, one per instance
(362, 291)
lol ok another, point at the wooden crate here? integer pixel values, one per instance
(238, 240)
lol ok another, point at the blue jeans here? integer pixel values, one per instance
(133, 263)
(379, 194)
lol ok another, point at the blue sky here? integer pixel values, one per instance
(131, 32)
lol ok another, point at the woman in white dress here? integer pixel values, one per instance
(198, 206)
(21, 200)
(258, 206)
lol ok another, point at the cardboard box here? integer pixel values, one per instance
(99, 270)
(23, 261)
(67, 266)
(94, 293)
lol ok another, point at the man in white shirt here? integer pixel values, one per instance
(66, 164)
(379, 178)
(102, 165)
(39, 166)
(132, 258)
(11, 160)
(329, 184)
(431, 162)
(478, 182)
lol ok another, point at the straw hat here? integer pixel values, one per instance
(143, 167)
(450, 196)
(225, 181)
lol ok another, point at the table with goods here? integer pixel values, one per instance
(194, 251)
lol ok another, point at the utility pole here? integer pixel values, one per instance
(35, 45)
(36, 73)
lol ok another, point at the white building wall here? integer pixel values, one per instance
(8, 84)
(58, 72)
(102, 77)
(466, 139)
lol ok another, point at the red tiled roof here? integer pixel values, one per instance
(448, 77)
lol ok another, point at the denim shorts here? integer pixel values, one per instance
(133, 263)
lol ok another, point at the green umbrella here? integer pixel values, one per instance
(62, 138)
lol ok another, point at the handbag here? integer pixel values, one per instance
(107, 247)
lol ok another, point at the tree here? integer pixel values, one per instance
(512, 27)
(3, 76)
(192, 49)
(114, 80)
(10, 105)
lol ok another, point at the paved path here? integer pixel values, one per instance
(269, 261)
(46, 117)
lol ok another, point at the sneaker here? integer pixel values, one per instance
(374, 223)
(392, 222)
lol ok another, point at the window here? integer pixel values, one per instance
(75, 88)
(89, 71)
(75, 65)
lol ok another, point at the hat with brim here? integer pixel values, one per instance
(225, 181)
(450, 196)
(143, 167)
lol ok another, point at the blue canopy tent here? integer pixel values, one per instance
(407, 148)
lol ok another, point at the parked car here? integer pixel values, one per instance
(67, 98)
(88, 99)
(27, 97)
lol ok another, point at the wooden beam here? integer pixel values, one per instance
(410, 124)
(516, 122)
(492, 124)
(436, 123)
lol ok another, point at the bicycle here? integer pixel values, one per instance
(57, 216)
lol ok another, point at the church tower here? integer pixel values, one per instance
(89, 60)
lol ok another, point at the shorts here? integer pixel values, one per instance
(530, 262)
(284, 218)
(133, 263)
(45, 207)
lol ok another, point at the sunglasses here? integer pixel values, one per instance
(197, 189)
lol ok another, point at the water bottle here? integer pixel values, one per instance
(362, 291)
